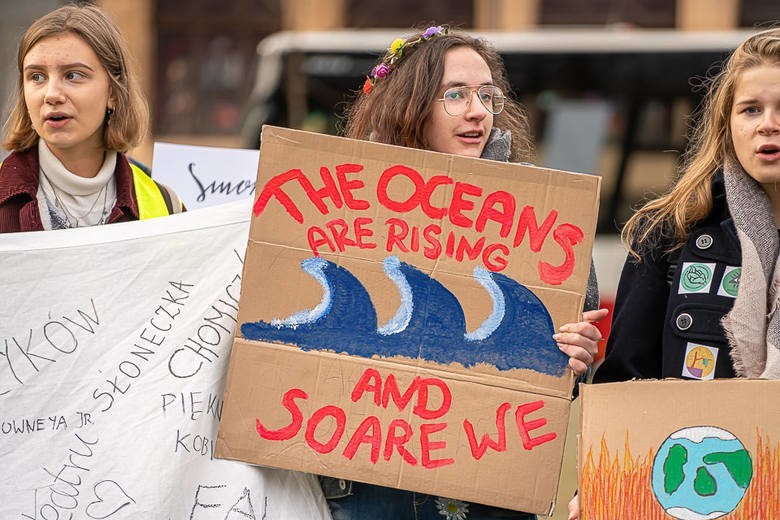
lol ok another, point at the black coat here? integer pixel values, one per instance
(668, 307)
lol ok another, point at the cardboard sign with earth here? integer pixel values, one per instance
(680, 449)
(396, 318)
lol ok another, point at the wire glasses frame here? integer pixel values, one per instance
(458, 99)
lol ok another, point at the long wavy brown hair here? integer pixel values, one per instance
(130, 120)
(671, 216)
(397, 107)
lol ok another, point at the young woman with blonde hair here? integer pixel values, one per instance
(702, 258)
(78, 108)
(698, 296)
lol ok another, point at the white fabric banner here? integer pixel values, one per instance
(114, 343)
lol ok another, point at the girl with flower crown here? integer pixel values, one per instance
(446, 92)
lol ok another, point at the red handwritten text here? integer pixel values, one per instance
(499, 220)
(424, 444)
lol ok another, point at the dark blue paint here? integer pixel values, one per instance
(346, 321)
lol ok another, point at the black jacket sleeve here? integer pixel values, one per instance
(634, 346)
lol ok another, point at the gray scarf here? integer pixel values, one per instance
(753, 325)
(498, 146)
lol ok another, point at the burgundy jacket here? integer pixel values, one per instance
(19, 186)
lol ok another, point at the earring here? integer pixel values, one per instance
(109, 113)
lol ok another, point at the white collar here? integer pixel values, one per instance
(68, 182)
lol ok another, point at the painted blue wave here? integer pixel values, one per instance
(345, 317)
(429, 324)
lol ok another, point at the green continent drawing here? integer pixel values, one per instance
(704, 484)
(674, 474)
(737, 463)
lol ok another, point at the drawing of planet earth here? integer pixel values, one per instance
(701, 473)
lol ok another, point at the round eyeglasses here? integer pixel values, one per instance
(457, 99)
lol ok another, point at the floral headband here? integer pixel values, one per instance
(395, 52)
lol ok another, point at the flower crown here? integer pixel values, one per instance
(394, 54)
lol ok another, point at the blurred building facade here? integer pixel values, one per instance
(198, 55)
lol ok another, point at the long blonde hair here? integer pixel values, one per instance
(671, 216)
(396, 108)
(130, 120)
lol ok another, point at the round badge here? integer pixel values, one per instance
(695, 277)
(700, 362)
(731, 282)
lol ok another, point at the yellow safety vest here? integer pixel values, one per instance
(151, 201)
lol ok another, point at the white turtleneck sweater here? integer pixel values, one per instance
(68, 200)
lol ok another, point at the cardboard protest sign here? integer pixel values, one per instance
(396, 318)
(205, 175)
(114, 343)
(675, 449)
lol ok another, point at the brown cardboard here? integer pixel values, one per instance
(420, 403)
(634, 435)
